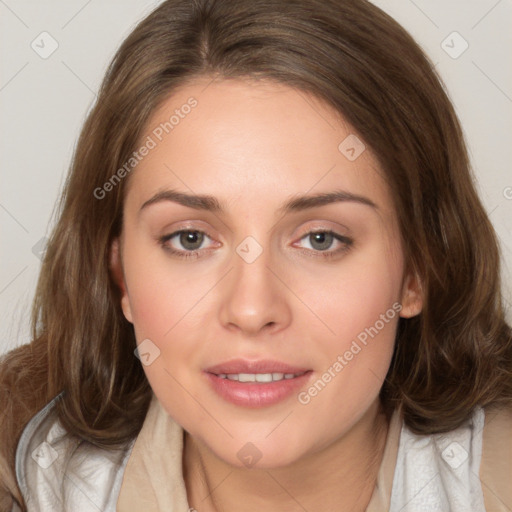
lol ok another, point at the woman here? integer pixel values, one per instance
(336, 336)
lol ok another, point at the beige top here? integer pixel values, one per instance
(153, 478)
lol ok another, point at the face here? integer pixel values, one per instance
(297, 299)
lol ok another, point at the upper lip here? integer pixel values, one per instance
(256, 366)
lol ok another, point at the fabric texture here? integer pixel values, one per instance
(496, 465)
(58, 473)
(440, 472)
(148, 472)
(436, 473)
(153, 479)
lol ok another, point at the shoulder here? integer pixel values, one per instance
(57, 471)
(496, 465)
(442, 471)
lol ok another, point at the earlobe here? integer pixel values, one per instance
(412, 297)
(117, 273)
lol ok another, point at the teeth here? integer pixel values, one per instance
(246, 377)
(258, 377)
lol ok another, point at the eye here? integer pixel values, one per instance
(187, 243)
(189, 240)
(321, 241)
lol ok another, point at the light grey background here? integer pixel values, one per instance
(43, 103)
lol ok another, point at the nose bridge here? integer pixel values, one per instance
(254, 297)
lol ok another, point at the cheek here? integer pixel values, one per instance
(166, 305)
(162, 299)
(160, 293)
(359, 308)
(363, 291)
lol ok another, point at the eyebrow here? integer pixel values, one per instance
(295, 204)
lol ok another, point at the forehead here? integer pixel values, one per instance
(251, 141)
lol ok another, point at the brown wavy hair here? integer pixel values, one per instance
(454, 356)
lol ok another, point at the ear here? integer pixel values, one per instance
(412, 296)
(117, 273)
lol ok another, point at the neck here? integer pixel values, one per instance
(343, 474)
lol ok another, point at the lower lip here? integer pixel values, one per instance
(255, 394)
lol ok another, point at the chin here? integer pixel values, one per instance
(260, 453)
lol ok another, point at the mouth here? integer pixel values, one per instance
(256, 383)
(255, 367)
(259, 377)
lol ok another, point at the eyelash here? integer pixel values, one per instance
(345, 241)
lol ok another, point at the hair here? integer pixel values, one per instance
(452, 357)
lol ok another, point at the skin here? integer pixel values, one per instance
(254, 145)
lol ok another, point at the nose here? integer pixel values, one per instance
(255, 297)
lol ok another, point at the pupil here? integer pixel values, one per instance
(191, 238)
(324, 240)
